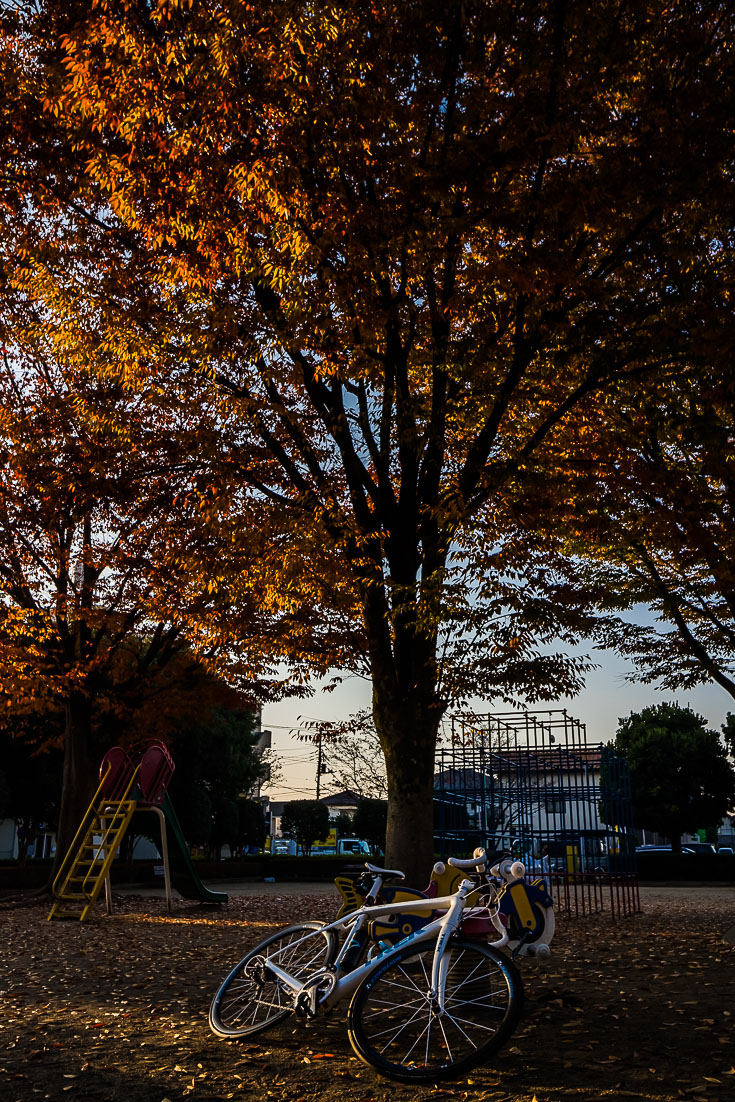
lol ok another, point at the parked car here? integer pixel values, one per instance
(357, 846)
(686, 847)
(345, 847)
(725, 849)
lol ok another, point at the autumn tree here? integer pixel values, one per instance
(252, 828)
(660, 529)
(94, 489)
(681, 779)
(416, 249)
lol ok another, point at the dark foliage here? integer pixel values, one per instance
(681, 779)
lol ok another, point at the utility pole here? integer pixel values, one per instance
(321, 767)
(318, 764)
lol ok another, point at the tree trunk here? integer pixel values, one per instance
(78, 778)
(408, 731)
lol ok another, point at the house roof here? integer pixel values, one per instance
(531, 760)
(551, 759)
(462, 779)
(341, 799)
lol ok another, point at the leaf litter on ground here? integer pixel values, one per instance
(126, 998)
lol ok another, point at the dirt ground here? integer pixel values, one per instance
(116, 1009)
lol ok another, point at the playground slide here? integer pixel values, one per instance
(184, 876)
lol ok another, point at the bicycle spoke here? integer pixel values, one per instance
(396, 1030)
(470, 1022)
(446, 1041)
(401, 1030)
(383, 1006)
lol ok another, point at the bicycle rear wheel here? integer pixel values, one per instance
(251, 999)
(394, 1026)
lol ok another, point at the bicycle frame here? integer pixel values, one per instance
(338, 986)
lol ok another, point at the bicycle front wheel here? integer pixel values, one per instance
(252, 999)
(395, 1026)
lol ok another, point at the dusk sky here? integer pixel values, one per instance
(606, 698)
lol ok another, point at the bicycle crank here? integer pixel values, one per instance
(313, 993)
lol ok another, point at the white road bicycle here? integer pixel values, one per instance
(430, 1007)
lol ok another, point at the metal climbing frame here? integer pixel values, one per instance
(532, 783)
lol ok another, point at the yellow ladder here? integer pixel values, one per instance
(87, 863)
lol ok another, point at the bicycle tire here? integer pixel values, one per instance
(393, 1027)
(251, 999)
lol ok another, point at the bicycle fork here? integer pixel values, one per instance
(440, 964)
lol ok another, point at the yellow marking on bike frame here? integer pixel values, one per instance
(522, 904)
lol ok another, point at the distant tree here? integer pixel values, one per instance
(728, 733)
(196, 814)
(352, 752)
(216, 765)
(219, 750)
(344, 825)
(307, 821)
(252, 828)
(225, 825)
(681, 779)
(370, 822)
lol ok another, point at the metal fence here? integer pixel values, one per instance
(530, 782)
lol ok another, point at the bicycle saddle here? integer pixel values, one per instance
(376, 871)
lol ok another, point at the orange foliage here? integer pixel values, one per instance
(417, 249)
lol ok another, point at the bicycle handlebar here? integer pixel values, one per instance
(467, 863)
